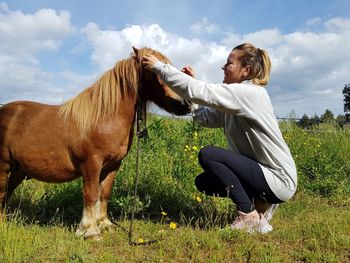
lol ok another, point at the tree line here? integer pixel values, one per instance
(326, 117)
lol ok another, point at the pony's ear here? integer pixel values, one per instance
(136, 50)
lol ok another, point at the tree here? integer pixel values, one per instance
(304, 122)
(315, 119)
(346, 93)
(327, 116)
(341, 120)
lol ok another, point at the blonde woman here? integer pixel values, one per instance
(258, 166)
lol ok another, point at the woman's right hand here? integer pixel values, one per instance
(148, 61)
(189, 71)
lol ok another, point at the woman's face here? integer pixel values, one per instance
(233, 71)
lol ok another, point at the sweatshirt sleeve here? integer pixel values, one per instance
(208, 117)
(228, 98)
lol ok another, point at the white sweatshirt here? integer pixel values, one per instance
(245, 112)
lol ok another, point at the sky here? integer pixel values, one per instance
(52, 50)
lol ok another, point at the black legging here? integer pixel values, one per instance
(231, 174)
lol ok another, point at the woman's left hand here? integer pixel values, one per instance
(189, 71)
(148, 61)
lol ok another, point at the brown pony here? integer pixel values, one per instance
(87, 136)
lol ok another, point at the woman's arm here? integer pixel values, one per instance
(205, 116)
(229, 98)
(208, 117)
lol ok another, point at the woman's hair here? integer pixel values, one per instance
(258, 60)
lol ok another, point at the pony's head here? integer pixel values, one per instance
(126, 82)
(152, 88)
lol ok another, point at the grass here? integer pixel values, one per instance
(312, 227)
(307, 229)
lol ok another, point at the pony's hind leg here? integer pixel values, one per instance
(4, 184)
(16, 178)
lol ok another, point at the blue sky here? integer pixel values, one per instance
(51, 50)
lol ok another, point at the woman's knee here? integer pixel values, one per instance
(205, 154)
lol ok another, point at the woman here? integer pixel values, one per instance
(258, 167)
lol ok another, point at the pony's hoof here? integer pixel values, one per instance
(106, 224)
(79, 232)
(93, 238)
(88, 233)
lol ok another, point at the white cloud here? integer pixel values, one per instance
(311, 70)
(231, 39)
(23, 37)
(42, 30)
(110, 45)
(205, 26)
(338, 25)
(265, 38)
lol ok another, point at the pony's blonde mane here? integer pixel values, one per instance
(101, 100)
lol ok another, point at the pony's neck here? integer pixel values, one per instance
(102, 100)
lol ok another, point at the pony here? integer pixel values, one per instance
(89, 135)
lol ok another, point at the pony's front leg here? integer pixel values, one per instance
(106, 191)
(91, 175)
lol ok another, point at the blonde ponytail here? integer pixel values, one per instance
(259, 62)
(263, 76)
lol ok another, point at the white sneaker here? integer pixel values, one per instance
(248, 222)
(270, 211)
(264, 226)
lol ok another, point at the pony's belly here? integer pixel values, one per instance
(54, 170)
(53, 177)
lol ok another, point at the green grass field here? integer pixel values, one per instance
(312, 227)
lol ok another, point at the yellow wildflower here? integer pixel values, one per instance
(163, 213)
(172, 225)
(140, 240)
(195, 148)
(198, 199)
